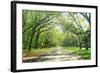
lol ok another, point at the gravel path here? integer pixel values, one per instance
(57, 54)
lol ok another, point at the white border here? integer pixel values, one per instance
(21, 65)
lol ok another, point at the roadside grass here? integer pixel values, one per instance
(85, 54)
(35, 52)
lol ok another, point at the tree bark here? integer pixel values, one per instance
(80, 46)
(30, 41)
(86, 46)
(86, 43)
(36, 41)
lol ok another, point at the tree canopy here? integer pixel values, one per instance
(55, 28)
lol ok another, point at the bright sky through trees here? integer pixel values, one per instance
(46, 30)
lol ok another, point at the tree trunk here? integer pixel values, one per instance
(86, 43)
(30, 42)
(80, 43)
(36, 41)
(80, 46)
(86, 46)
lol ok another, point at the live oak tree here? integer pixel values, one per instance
(84, 33)
(80, 26)
(55, 28)
(87, 17)
(38, 21)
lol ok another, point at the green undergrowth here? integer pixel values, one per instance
(85, 54)
(36, 52)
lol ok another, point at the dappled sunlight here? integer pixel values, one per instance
(55, 36)
(56, 54)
